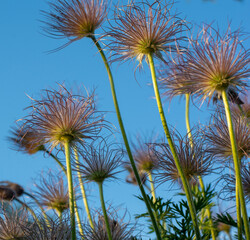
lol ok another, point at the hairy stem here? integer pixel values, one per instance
(152, 185)
(172, 147)
(132, 162)
(57, 160)
(238, 211)
(236, 165)
(84, 196)
(199, 177)
(100, 185)
(70, 189)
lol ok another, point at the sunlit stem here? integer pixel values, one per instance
(152, 185)
(100, 185)
(208, 212)
(79, 224)
(31, 211)
(70, 189)
(236, 165)
(132, 162)
(199, 177)
(238, 211)
(57, 160)
(187, 119)
(172, 147)
(84, 196)
(41, 208)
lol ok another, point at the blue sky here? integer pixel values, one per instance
(26, 69)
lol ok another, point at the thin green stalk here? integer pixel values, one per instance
(199, 177)
(41, 208)
(236, 164)
(84, 196)
(152, 185)
(132, 162)
(75, 205)
(31, 211)
(79, 224)
(100, 185)
(57, 160)
(172, 147)
(238, 211)
(70, 189)
(208, 210)
(187, 119)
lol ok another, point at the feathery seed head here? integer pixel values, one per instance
(6, 194)
(213, 63)
(74, 19)
(12, 222)
(13, 186)
(99, 162)
(143, 155)
(218, 138)
(56, 229)
(143, 28)
(61, 116)
(119, 229)
(131, 177)
(193, 159)
(25, 140)
(52, 192)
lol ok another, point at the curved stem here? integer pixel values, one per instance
(31, 211)
(39, 205)
(172, 147)
(84, 196)
(70, 189)
(79, 224)
(132, 162)
(57, 160)
(199, 177)
(236, 165)
(100, 185)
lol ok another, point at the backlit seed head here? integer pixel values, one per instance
(25, 140)
(12, 224)
(52, 192)
(218, 138)
(61, 117)
(193, 159)
(100, 162)
(213, 63)
(74, 19)
(131, 177)
(142, 28)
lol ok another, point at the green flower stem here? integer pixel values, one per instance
(57, 160)
(208, 210)
(100, 185)
(199, 177)
(152, 185)
(78, 218)
(132, 162)
(84, 196)
(31, 211)
(187, 119)
(236, 164)
(41, 208)
(70, 188)
(238, 211)
(172, 147)
(75, 205)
